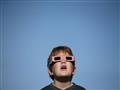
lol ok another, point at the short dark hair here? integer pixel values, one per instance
(55, 51)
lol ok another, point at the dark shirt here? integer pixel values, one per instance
(73, 87)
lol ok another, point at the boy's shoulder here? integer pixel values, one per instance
(48, 87)
(73, 87)
(77, 87)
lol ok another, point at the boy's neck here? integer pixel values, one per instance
(62, 85)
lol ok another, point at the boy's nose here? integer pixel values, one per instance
(63, 61)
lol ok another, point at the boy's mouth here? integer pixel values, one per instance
(63, 67)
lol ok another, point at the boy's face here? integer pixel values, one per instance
(62, 68)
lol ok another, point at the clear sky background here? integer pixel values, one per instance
(29, 29)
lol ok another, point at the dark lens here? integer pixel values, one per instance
(56, 58)
(68, 58)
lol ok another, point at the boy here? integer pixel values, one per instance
(61, 68)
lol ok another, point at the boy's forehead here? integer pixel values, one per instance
(61, 53)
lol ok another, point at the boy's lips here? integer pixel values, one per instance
(63, 67)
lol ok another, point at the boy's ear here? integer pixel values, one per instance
(74, 70)
(50, 71)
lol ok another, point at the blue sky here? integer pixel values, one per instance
(30, 29)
